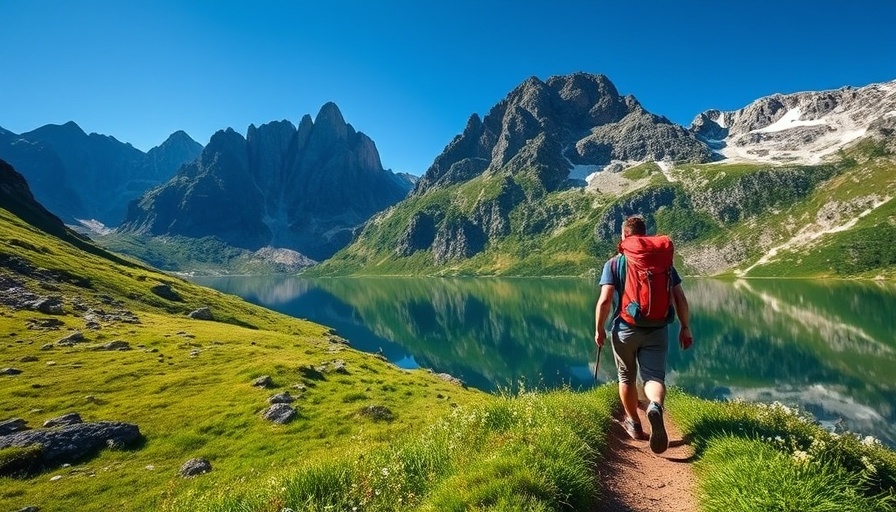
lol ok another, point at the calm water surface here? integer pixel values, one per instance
(827, 347)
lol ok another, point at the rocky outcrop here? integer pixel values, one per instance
(82, 177)
(302, 188)
(756, 192)
(456, 239)
(69, 443)
(644, 202)
(16, 197)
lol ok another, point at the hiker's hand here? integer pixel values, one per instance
(600, 338)
(685, 338)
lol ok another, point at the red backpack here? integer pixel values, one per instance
(646, 300)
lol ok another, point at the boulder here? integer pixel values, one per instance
(282, 398)
(280, 413)
(265, 381)
(115, 345)
(50, 306)
(164, 291)
(195, 467)
(201, 314)
(72, 442)
(71, 339)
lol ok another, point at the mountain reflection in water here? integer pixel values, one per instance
(827, 347)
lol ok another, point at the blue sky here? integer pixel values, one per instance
(410, 73)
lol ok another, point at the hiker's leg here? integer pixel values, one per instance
(655, 391)
(652, 361)
(625, 355)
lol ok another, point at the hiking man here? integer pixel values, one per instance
(637, 341)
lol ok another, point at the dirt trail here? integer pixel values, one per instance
(635, 479)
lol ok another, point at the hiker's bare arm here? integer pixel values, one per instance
(601, 312)
(685, 338)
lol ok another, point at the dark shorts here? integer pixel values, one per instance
(635, 347)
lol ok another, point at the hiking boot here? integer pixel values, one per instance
(634, 430)
(659, 441)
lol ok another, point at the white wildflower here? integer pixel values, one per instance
(868, 464)
(870, 441)
(801, 456)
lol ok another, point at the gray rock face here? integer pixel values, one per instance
(301, 188)
(642, 203)
(802, 127)
(81, 176)
(72, 442)
(457, 239)
(418, 235)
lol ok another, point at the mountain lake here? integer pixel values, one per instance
(826, 347)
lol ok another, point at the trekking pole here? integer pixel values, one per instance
(597, 363)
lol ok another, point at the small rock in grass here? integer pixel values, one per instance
(195, 467)
(265, 381)
(201, 314)
(280, 413)
(378, 413)
(10, 371)
(282, 398)
(27, 359)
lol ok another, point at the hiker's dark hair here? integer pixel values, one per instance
(634, 225)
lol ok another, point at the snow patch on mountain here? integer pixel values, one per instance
(791, 119)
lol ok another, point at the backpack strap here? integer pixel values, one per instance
(617, 270)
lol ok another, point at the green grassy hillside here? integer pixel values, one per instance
(187, 384)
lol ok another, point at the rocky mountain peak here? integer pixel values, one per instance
(330, 123)
(177, 141)
(567, 122)
(300, 188)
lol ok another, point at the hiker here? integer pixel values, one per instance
(648, 289)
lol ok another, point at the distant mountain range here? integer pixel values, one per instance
(302, 188)
(541, 184)
(91, 178)
(796, 184)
